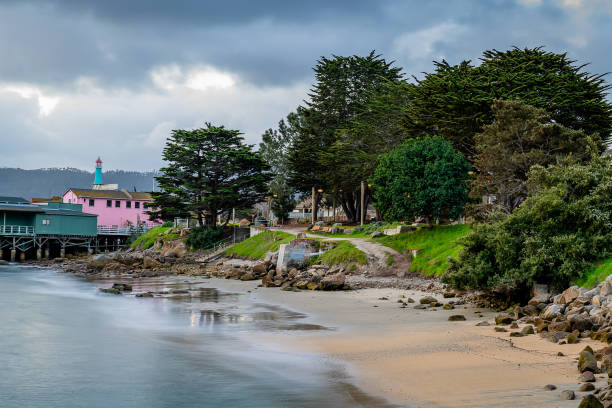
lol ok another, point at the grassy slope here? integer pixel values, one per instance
(597, 274)
(343, 253)
(257, 246)
(147, 239)
(435, 246)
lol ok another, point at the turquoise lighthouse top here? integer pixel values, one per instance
(98, 175)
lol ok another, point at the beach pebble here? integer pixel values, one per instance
(550, 387)
(428, 300)
(586, 387)
(568, 394)
(483, 324)
(587, 376)
(500, 330)
(503, 319)
(456, 318)
(528, 330)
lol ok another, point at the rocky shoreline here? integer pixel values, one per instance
(566, 318)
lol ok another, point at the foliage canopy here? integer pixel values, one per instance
(421, 178)
(210, 171)
(553, 237)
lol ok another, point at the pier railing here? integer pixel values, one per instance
(16, 230)
(116, 230)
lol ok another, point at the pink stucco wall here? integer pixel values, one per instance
(111, 215)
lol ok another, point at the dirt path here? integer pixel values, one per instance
(376, 253)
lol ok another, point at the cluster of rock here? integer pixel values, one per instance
(315, 277)
(576, 313)
(174, 260)
(589, 364)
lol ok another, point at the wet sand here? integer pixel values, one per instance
(419, 358)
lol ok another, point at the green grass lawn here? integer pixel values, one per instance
(147, 239)
(601, 270)
(434, 245)
(257, 246)
(343, 253)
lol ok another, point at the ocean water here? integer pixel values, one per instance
(64, 344)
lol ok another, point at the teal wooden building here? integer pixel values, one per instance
(43, 228)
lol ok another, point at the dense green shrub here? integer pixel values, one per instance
(204, 237)
(554, 237)
(421, 178)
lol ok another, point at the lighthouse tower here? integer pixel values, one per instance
(97, 184)
(98, 174)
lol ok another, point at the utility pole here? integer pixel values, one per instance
(312, 216)
(362, 202)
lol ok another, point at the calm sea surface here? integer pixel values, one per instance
(64, 344)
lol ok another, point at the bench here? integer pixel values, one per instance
(325, 229)
(315, 228)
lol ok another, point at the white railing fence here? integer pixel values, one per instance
(117, 230)
(16, 230)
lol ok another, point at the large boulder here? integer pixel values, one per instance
(587, 362)
(551, 311)
(589, 401)
(100, 260)
(570, 294)
(541, 298)
(563, 326)
(579, 323)
(333, 281)
(261, 268)
(606, 288)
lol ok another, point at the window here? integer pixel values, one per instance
(109, 203)
(128, 204)
(91, 202)
(137, 204)
(46, 221)
(117, 204)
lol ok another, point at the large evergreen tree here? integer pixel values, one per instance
(210, 171)
(455, 100)
(343, 88)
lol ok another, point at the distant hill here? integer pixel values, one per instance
(50, 182)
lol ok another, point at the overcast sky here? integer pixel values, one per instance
(82, 78)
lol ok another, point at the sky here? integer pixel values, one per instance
(83, 78)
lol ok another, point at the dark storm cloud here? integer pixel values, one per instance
(77, 75)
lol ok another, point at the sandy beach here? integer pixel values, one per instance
(419, 358)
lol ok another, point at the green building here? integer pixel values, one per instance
(25, 227)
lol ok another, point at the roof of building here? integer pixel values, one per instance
(13, 200)
(111, 194)
(21, 207)
(54, 199)
(67, 212)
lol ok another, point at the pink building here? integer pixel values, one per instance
(114, 206)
